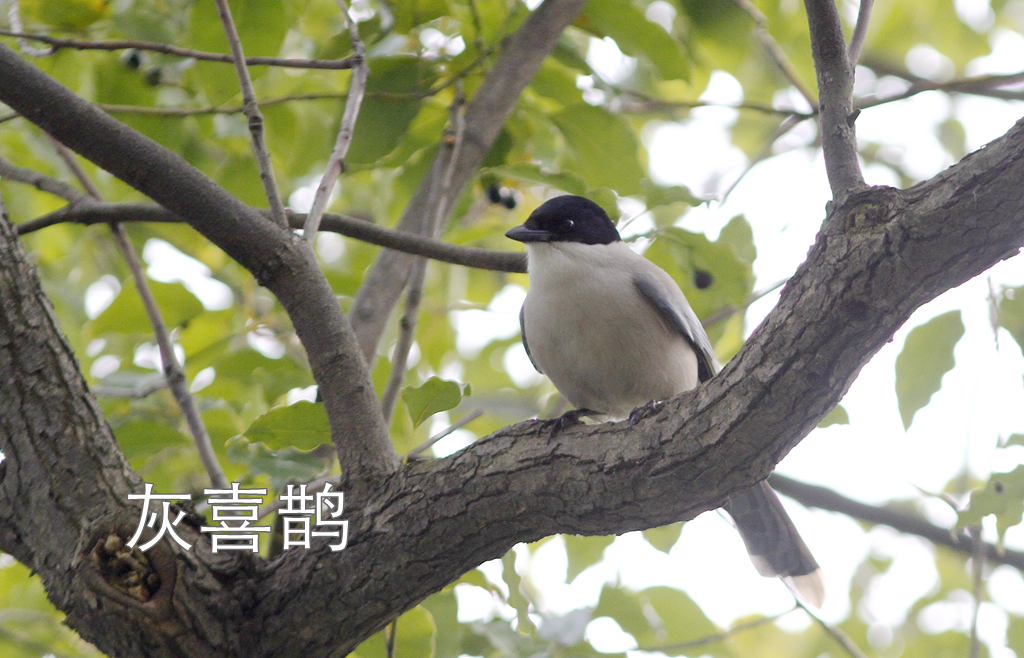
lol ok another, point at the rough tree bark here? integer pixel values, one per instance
(881, 254)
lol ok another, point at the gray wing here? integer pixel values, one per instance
(678, 315)
(522, 334)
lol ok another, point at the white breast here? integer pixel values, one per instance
(601, 343)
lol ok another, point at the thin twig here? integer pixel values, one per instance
(648, 105)
(478, 32)
(978, 573)
(790, 122)
(41, 181)
(359, 229)
(57, 43)
(336, 163)
(681, 647)
(252, 113)
(835, 89)
(729, 311)
(836, 633)
(406, 335)
(391, 638)
(172, 369)
(426, 445)
(407, 324)
(14, 17)
(982, 85)
(234, 109)
(860, 31)
(985, 85)
(133, 393)
(775, 51)
(823, 498)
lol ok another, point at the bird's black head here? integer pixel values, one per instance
(567, 219)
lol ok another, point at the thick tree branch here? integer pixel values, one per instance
(359, 229)
(956, 539)
(835, 97)
(520, 57)
(64, 488)
(276, 257)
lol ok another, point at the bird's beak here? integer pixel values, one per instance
(523, 234)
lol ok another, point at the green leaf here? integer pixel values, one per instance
(837, 416)
(145, 438)
(665, 537)
(682, 254)
(738, 234)
(127, 315)
(1015, 633)
(515, 596)
(583, 552)
(1003, 497)
(603, 148)
(896, 27)
(953, 137)
(436, 395)
(1014, 440)
(627, 610)
(302, 425)
(682, 620)
(206, 330)
(414, 637)
(635, 35)
(607, 199)
(1011, 313)
(388, 109)
(29, 615)
(927, 355)
(556, 81)
(532, 173)
(261, 25)
(282, 466)
(658, 617)
(444, 610)
(665, 195)
(411, 13)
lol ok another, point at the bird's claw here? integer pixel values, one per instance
(638, 414)
(566, 420)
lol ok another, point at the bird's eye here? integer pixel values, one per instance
(567, 225)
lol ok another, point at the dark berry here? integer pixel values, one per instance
(153, 76)
(132, 59)
(702, 279)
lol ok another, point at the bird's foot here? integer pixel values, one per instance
(638, 414)
(567, 420)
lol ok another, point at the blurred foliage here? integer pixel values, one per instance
(927, 355)
(573, 130)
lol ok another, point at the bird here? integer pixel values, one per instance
(614, 332)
